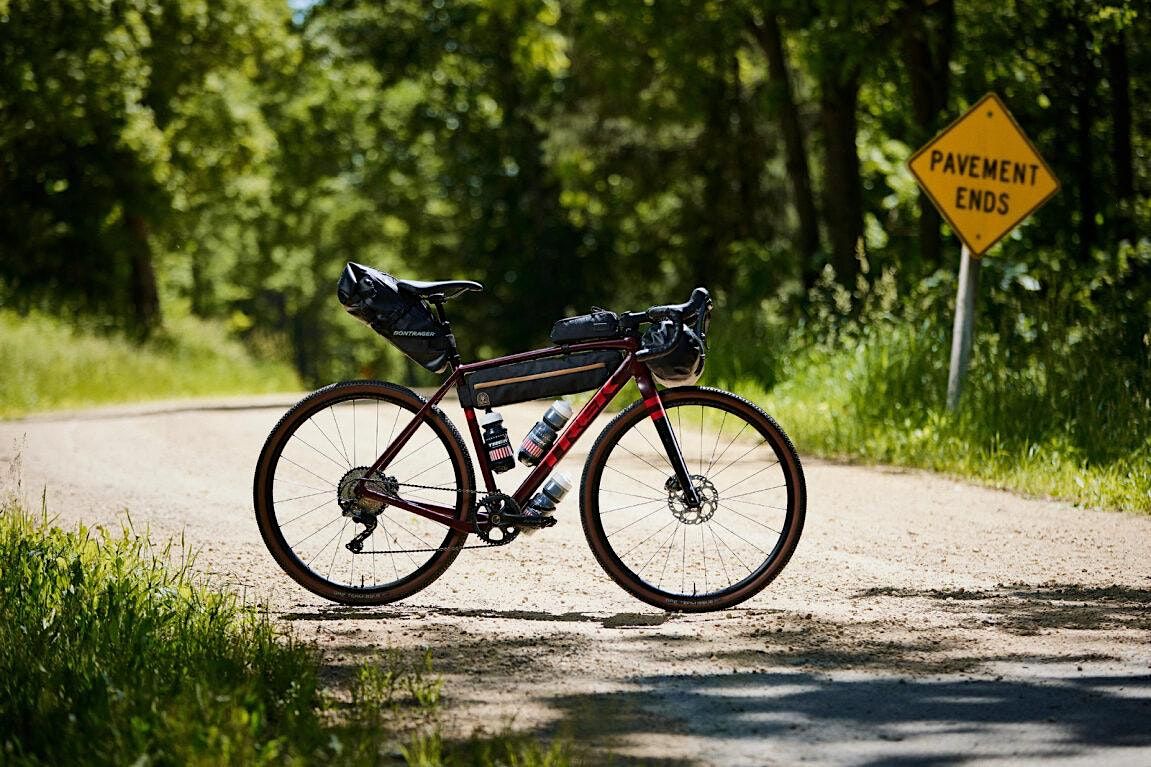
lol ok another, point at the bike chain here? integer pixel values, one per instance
(486, 545)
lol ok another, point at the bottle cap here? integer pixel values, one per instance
(559, 413)
(562, 480)
(487, 419)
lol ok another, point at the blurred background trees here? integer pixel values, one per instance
(225, 158)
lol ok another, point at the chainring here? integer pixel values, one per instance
(489, 524)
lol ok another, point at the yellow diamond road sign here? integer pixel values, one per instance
(983, 174)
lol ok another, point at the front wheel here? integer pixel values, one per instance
(693, 559)
(345, 548)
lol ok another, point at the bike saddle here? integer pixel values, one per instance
(446, 288)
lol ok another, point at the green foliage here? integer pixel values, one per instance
(45, 364)
(107, 655)
(874, 390)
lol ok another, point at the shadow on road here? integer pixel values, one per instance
(796, 714)
(778, 686)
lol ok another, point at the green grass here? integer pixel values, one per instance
(46, 365)
(1065, 422)
(111, 652)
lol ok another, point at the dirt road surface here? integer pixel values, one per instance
(922, 620)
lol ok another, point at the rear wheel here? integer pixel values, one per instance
(308, 512)
(677, 557)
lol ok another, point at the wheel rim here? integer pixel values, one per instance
(314, 513)
(732, 539)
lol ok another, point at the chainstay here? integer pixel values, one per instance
(484, 545)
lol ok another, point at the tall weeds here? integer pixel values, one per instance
(1057, 400)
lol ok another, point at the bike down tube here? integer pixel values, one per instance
(575, 429)
(654, 405)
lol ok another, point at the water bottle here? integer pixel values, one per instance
(496, 442)
(544, 502)
(544, 433)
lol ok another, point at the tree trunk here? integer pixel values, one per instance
(1119, 76)
(843, 188)
(927, 59)
(143, 293)
(1084, 74)
(769, 36)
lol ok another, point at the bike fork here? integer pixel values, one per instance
(658, 415)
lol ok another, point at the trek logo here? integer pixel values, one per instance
(414, 333)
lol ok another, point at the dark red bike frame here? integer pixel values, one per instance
(629, 368)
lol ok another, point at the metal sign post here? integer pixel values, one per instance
(964, 326)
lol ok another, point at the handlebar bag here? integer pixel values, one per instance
(586, 327)
(372, 297)
(683, 363)
(537, 379)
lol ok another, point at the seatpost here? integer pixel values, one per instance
(454, 353)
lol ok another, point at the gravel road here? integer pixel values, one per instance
(921, 620)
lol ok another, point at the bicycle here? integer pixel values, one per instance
(692, 498)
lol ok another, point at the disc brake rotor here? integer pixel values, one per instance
(708, 500)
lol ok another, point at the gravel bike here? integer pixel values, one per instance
(692, 498)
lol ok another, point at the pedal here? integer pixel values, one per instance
(530, 521)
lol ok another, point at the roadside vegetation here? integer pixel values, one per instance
(46, 364)
(112, 652)
(1057, 401)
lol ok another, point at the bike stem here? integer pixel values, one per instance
(654, 405)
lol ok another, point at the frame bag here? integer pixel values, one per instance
(538, 379)
(373, 297)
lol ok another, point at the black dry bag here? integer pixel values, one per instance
(373, 297)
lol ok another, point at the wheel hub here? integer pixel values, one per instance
(353, 504)
(688, 515)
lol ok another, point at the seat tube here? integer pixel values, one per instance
(654, 405)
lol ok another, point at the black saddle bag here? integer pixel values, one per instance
(537, 379)
(586, 327)
(372, 297)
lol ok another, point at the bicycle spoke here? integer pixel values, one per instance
(306, 513)
(756, 474)
(743, 521)
(737, 535)
(645, 540)
(727, 447)
(286, 481)
(715, 476)
(660, 501)
(633, 479)
(641, 459)
(719, 552)
(392, 466)
(340, 435)
(301, 497)
(321, 453)
(658, 451)
(301, 468)
(711, 460)
(633, 522)
(760, 505)
(753, 521)
(296, 545)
